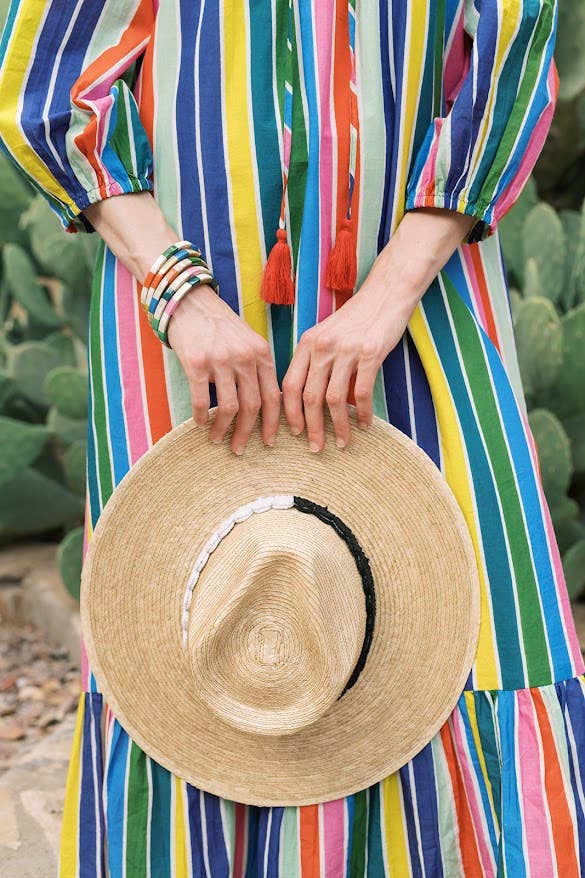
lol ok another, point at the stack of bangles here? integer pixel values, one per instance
(176, 271)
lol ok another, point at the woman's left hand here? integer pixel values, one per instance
(353, 340)
(356, 339)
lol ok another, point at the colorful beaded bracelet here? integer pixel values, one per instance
(173, 274)
(164, 263)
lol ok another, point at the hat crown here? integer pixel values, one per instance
(277, 623)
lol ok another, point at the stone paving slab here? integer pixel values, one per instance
(31, 591)
(32, 794)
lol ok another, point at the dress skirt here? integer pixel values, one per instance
(185, 98)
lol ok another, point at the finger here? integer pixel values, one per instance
(292, 388)
(336, 397)
(227, 404)
(249, 406)
(200, 402)
(314, 400)
(271, 397)
(364, 391)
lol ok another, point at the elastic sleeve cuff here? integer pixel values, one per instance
(74, 221)
(482, 229)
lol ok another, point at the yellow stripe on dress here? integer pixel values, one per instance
(414, 51)
(179, 832)
(395, 827)
(240, 173)
(70, 821)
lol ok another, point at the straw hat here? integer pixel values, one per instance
(281, 628)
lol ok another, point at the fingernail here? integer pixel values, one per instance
(271, 440)
(313, 446)
(215, 439)
(341, 443)
(363, 425)
(296, 431)
(238, 450)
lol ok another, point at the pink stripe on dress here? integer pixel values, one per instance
(534, 806)
(127, 299)
(333, 837)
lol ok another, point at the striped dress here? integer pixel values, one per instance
(187, 98)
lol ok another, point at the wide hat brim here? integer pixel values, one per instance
(411, 528)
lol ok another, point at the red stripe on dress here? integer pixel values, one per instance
(562, 821)
(309, 841)
(467, 841)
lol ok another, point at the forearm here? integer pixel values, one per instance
(134, 228)
(423, 242)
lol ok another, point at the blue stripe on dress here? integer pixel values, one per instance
(186, 149)
(195, 830)
(423, 767)
(410, 822)
(216, 843)
(425, 419)
(272, 870)
(251, 860)
(396, 33)
(213, 158)
(511, 850)
(570, 695)
(308, 267)
(116, 799)
(111, 376)
(90, 792)
(389, 110)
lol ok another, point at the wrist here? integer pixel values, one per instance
(170, 279)
(134, 228)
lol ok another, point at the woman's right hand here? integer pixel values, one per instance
(211, 341)
(214, 344)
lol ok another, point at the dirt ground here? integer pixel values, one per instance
(39, 686)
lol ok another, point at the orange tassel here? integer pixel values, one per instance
(341, 271)
(277, 283)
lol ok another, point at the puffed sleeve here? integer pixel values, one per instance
(68, 119)
(477, 157)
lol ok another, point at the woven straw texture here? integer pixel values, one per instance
(250, 709)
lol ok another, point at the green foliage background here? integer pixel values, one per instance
(45, 289)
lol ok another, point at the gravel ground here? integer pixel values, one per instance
(39, 687)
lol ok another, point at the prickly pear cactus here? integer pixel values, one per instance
(21, 443)
(539, 343)
(543, 241)
(554, 453)
(577, 282)
(66, 388)
(566, 392)
(69, 555)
